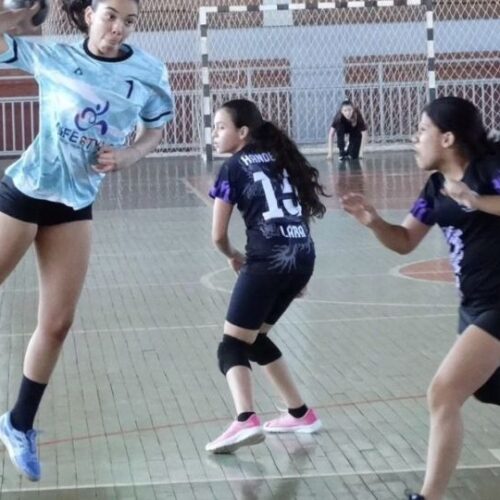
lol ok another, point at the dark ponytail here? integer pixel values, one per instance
(75, 10)
(265, 136)
(463, 119)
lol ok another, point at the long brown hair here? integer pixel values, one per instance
(266, 136)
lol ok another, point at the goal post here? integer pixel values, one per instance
(297, 60)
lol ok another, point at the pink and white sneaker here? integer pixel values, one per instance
(238, 434)
(309, 423)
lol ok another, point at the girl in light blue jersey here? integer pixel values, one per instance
(93, 95)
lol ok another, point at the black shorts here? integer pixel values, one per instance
(487, 318)
(41, 212)
(263, 298)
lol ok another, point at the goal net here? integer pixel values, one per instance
(299, 60)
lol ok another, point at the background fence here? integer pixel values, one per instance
(298, 65)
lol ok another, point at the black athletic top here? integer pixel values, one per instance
(345, 126)
(278, 237)
(473, 236)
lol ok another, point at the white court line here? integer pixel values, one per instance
(207, 201)
(111, 286)
(322, 277)
(206, 280)
(221, 288)
(380, 472)
(218, 325)
(496, 454)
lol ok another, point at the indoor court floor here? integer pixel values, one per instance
(137, 393)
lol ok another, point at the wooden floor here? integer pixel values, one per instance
(137, 393)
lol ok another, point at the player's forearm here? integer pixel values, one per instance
(392, 236)
(489, 204)
(146, 142)
(224, 246)
(330, 142)
(364, 139)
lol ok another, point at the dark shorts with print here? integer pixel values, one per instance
(263, 298)
(41, 212)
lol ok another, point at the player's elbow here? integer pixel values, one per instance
(403, 250)
(219, 239)
(406, 246)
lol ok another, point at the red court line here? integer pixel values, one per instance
(220, 419)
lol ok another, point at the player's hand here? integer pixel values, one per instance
(461, 193)
(237, 261)
(110, 160)
(356, 205)
(18, 21)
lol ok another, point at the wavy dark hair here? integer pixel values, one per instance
(357, 117)
(267, 137)
(75, 10)
(463, 119)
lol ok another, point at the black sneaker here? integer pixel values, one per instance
(415, 496)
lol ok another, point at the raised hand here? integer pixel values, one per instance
(18, 21)
(356, 205)
(461, 193)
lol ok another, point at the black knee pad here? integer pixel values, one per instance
(489, 393)
(263, 350)
(232, 352)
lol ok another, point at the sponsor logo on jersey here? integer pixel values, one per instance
(75, 137)
(89, 118)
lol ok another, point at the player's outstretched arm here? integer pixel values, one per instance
(401, 238)
(331, 135)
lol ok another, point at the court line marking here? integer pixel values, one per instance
(333, 405)
(496, 454)
(206, 280)
(205, 198)
(218, 325)
(378, 472)
(322, 277)
(396, 272)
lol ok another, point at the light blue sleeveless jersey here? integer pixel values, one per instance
(85, 102)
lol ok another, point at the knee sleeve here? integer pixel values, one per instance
(489, 393)
(232, 352)
(263, 351)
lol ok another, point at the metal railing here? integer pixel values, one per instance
(391, 111)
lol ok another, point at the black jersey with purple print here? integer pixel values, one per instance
(473, 236)
(278, 237)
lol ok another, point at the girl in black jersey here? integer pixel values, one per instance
(462, 197)
(277, 192)
(348, 122)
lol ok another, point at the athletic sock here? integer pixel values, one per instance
(22, 416)
(298, 412)
(243, 417)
